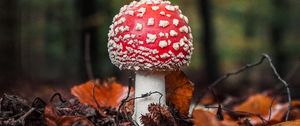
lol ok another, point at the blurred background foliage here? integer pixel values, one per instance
(42, 42)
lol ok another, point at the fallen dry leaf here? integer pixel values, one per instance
(289, 123)
(256, 104)
(106, 94)
(205, 118)
(208, 118)
(53, 119)
(179, 91)
(260, 104)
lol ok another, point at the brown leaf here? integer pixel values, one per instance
(179, 91)
(208, 118)
(106, 94)
(204, 118)
(279, 112)
(289, 123)
(256, 104)
(53, 119)
(260, 104)
(50, 115)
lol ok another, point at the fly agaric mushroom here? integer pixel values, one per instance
(150, 37)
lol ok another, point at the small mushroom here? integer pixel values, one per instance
(150, 37)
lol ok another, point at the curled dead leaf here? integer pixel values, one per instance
(179, 91)
(260, 105)
(208, 118)
(256, 104)
(106, 94)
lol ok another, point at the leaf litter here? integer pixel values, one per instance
(110, 103)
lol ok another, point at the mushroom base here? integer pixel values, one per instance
(147, 83)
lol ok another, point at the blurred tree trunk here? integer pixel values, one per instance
(9, 42)
(87, 9)
(277, 30)
(210, 56)
(95, 23)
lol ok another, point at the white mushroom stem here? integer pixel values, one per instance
(146, 83)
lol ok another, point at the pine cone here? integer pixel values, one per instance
(158, 116)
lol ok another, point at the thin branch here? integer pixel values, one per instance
(248, 66)
(219, 113)
(59, 96)
(22, 118)
(226, 76)
(96, 82)
(130, 83)
(270, 109)
(285, 84)
(147, 95)
(143, 96)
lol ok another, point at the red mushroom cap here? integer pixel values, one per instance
(150, 35)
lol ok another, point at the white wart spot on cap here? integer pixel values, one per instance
(186, 19)
(155, 51)
(170, 7)
(155, 8)
(142, 11)
(180, 55)
(167, 35)
(163, 23)
(127, 36)
(162, 13)
(161, 34)
(139, 26)
(150, 21)
(176, 46)
(121, 20)
(184, 29)
(130, 12)
(175, 22)
(133, 35)
(151, 38)
(176, 7)
(164, 55)
(163, 44)
(169, 42)
(173, 33)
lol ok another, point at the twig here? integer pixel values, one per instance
(270, 109)
(130, 83)
(143, 96)
(219, 113)
(149, 94)
(226, 76)
(87, 57)
(247, 66)
(38, 101)
(22, 118)
(285, 84)
(96, 82)
(59, 96)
